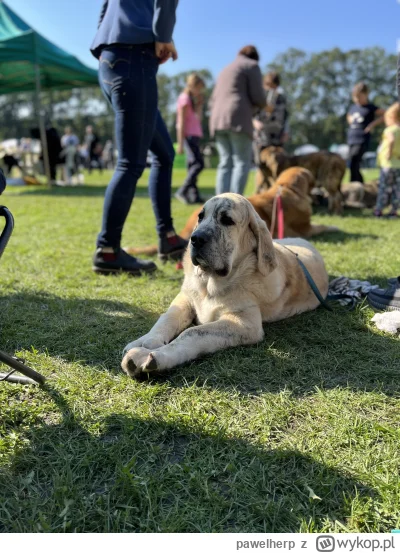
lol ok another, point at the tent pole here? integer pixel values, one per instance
(42, 126)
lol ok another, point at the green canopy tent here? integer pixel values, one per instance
(29, 62)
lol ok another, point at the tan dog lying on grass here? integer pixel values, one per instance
(236, 278)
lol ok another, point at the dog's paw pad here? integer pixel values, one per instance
(128, 366)
(150, 365)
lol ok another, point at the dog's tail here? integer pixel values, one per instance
(184, 233)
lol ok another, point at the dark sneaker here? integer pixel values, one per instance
(182, 198)
(393, 215)
(171, 246)
(378, 213)
(108, 261)
(389, 299)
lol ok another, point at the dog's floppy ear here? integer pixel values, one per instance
(266, 258)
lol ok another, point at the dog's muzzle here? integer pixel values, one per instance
(197, 241)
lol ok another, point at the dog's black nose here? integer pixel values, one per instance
(198, 239)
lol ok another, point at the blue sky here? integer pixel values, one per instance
(210, 32)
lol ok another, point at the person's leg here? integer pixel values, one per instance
(225, 165)
(395, 191)
(53, 170)
(182, 193)
(381, 198)
(195, 163)
(356, 153)
(242, 149)
(160, 180)
(129, 82)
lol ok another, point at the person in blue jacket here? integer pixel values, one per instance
(132, 40)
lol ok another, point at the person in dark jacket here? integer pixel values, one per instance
(54, 149)
(92, 143)
(270, 124)
(237, 94)
(363, 116)
(3, 181)
(132, 39)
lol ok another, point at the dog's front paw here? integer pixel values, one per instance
(135, 344)
(134, 361)
(153, 343)
(146, 341)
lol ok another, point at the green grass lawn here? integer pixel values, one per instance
(298, 433)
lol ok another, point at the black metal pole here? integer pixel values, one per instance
(7, 231)
(21, 367)
(16, 379)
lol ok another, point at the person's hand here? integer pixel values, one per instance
(165, 51)
(180, 149)
(258, 125)
(368, 129)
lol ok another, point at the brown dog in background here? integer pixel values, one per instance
(328, 170)
(295, 185)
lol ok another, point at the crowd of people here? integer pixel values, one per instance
(68, 153)
(247, 114)
(74, 154)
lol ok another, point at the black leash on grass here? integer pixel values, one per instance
(317, 293)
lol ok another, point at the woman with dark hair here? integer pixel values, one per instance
(238, 93)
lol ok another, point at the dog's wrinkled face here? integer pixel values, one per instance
(214, 240)
(228, 229)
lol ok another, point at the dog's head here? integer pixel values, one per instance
(228, 230)
(275, 158)
(297, 179)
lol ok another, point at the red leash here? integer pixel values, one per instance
(281, 222)
(278, 216)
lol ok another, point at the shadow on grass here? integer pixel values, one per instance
(316, 349)
(146, 475)
(74, 329)
(93, 190)
(342, 237)
(364, 213)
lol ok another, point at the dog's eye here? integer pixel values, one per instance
(201, 216)
(226, 220)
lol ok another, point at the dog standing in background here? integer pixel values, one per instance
(327, 168)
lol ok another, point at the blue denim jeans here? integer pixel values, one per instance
(194, 163)
(127, 78)
(235, 151)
